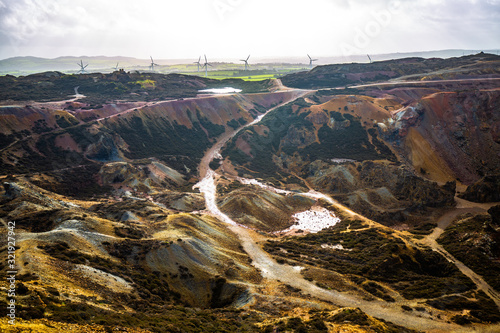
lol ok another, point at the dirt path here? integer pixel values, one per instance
(444, 221)
(12, 144)
(396, 83)
(290, 275)
(214, 151)
(272, 270)
(477, 279)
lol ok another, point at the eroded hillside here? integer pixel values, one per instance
(368, 209)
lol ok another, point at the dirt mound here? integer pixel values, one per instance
(261, 209)
(387, 193)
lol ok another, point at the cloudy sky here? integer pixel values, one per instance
(225, 29)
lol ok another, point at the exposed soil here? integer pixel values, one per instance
(272, 270)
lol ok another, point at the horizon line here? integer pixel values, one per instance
(257, 57)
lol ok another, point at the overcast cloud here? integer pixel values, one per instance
(234, 28)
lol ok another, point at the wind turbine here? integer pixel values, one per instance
(311, 61)
(206, 64)
(152, 66)
(369, 58)
(198, 63)
(246, 62)
(116, 67)
(82, 68)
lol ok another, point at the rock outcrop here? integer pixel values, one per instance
(485, 190)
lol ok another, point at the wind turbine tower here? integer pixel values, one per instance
(198, 63)
(246, 62)
(82, 67)
(152, 66)
(311, 60)
(206, 64)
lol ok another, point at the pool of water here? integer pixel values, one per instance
(225, 90)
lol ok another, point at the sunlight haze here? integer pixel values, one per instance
(227, 29)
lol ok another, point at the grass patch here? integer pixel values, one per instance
(350, 141)
(424, 229)
(475, 242)
(482, 307)
(376, 255)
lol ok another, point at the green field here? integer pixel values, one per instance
(250, 75)
(221, 75)
(216, 70)
(258, 77)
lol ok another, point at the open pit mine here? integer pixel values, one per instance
(347, 198)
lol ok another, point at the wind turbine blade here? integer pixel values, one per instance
(199, 59)
(309, 56)
(248, 57)
(205, 58)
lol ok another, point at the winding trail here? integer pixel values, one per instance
(422, 82)
(214, 151)
(444, 221)
(290, 275)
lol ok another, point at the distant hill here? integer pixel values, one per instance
(415, 68)
(69, 64)
(30, 65)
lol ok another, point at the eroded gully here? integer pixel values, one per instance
(290, 275)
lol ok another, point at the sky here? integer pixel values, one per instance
(226, 29)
